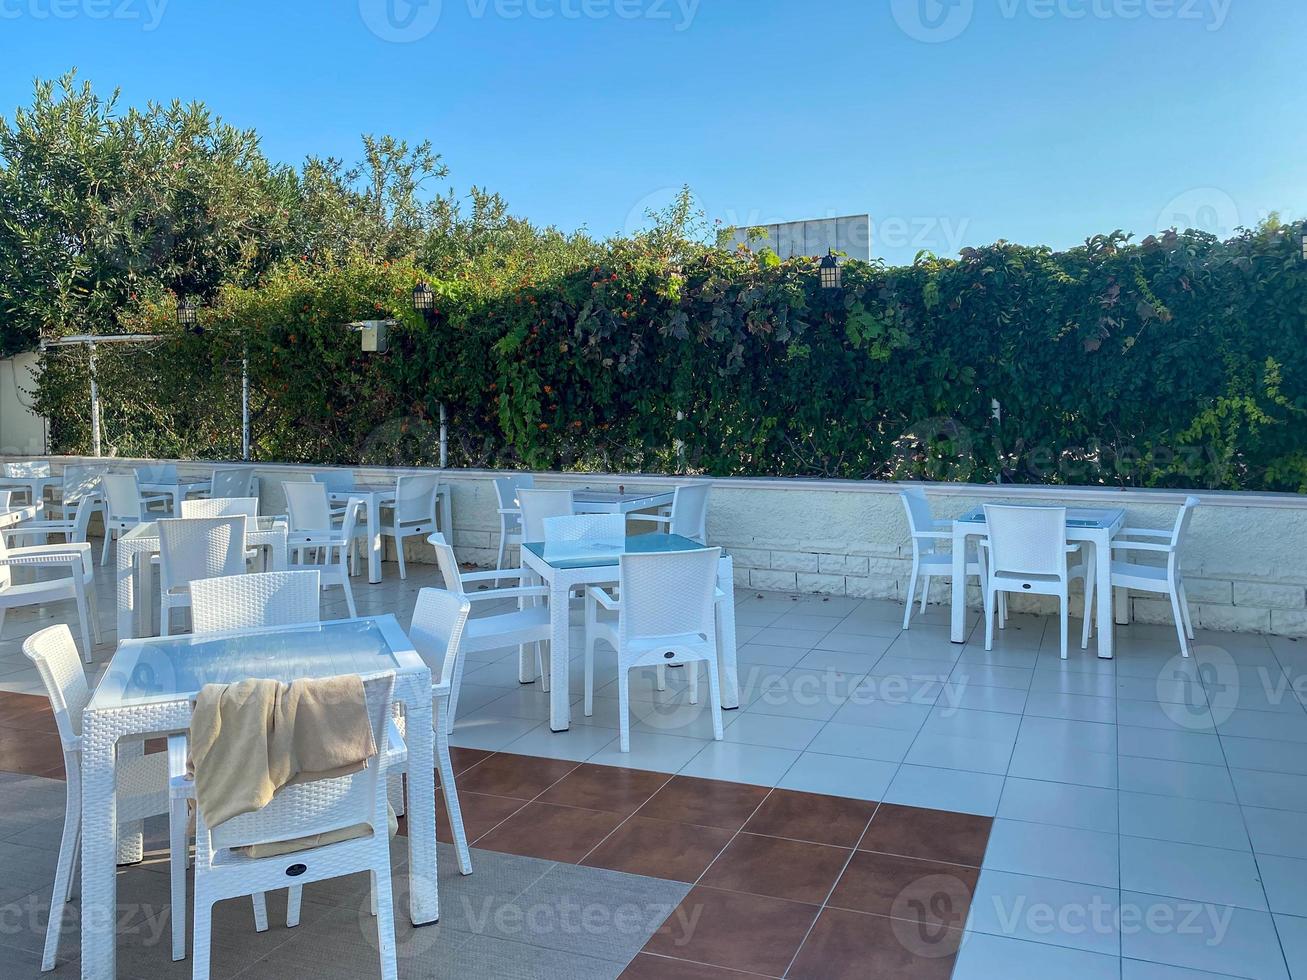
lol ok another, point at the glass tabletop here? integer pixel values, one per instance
(613, 497)
(151, 528)
(168, 667)
(594, 554)
(1084, 517)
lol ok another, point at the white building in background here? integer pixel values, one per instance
(850, 234)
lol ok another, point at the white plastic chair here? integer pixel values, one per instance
(299, 810)
(529, 623)
(438, 632)
(667, 616)
(413, 513)
(334, 548)
(79, 480)
(77, 584)
(539, 504)
(22, 469)
(220, 507)
(929, 560)
(1164, 579)
(195, 548)
(510, 511)
(232, 481)
(234, 602)
(142, 780)
(688, 516)
(74, 529)
(124, 507)
(1028, 553)
(585, 527)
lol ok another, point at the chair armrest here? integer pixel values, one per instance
(492, 576)
(514, 593)
(48, 554)
(651, 518)
(603, 598)
(933, 535)
(1142, 546)
(1073, 547)
(1142, 532)
(510, 510)
(180, 786)
(396, 752)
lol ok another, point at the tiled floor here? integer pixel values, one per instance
(1148, 812)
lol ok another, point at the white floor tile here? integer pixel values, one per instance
(659, 753)
(862, 742)
(774, 731)
(1276, 831)
(1154, 743)
(1046, 910)
(741, 763)
(1274, 790)
(946, 789)
(1190, 871)
(1060, 764)
(1046, 851)
(984, 957)
(1086, 807)
(1185, 821)
(1285, 881)
(1176, 779)
(1293, 939)
(1234, 941)
(955, 752)
(863, 779)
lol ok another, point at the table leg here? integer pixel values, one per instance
(1103, 573)
(125, 584)
(423, 896)
(99, 833)
(131, 836)
(560, 717)
(447, 514)
(526, 661)
(1121, 603)
(374, 539)
(958, 622)
(278, 553)
(727, 669)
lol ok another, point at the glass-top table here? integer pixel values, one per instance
(598, 554)
(1078, 517)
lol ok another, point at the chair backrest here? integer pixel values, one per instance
(232, 481)
(506, 487)
(157, 473)
(221, 507)
(690, 511)
(55, 654)
(28, 467)
(335, 480)
(349, 524)
(235, 602)
(436, 631)
(321, 806)
(539, 504)
(415, 498)
(86, 506)
(81, 480)
(200, 547)
(668, 594)
(447, 563)
(920, 518)
(1026, 540)
(307, 506)
(122, 496)
(5, 499)
(585, 527)
(1180, 529)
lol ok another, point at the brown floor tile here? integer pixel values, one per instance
(34, 753)
(780, 868)
(27, 712)
(465, 759)
(852, 946)
(480, 814)
(606, 788)
(812, 817)
(886, 884)
(728, 929)
(555, 833)
(705, 802)
(518, 776)
(649, 967)
(660, 849)
(936, 835)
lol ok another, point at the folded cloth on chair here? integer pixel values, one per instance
(251, 738)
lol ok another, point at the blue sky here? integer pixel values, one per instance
(952, 122)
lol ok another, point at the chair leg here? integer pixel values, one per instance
(104, 551)
(912, 591)
(925, 591)
(260, 903)
(63, 876)
(589, 705)
(1064, 620)
(1002, 610)
(543, 654)
(395, 791)
(399, 555)
(294, 899)
(624, 705)
(84, 614)
(1087, 628)
(178, 854)
(201, 946)
(990, 593)
(660, 677)
(714, 697)
(447, 723)
(349, 593)
(94, 605)
(693, 668)
(385, 913)
(1184, 608)
(1179, 621)
(503, 544)
(450, 792)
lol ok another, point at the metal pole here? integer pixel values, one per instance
(245, 406)
(444, 437)
(95, 401)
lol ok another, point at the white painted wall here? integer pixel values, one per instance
(22, 431)
(1245, 559)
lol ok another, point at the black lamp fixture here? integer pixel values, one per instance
(1304, 242)
(424, 300)
(188, 316)
(832, 276)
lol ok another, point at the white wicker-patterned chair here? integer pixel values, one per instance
(333, 547)
(195, 548)
(232, 481)
(929, 560)
(142, 780)
(539, 504)
(413, 513)
(438, 631)
(667, 616)
(74, 529)
(688, 516)
(26, 468)
(1162, 579)
(301, 810)
(78, 584)
(79, 480)
(124, 507)
(234, 602)
(220, 507)
(510, 511)
(585, 527)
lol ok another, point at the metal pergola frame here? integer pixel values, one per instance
(91, 342)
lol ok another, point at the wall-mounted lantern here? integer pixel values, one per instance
(832, 276)
(188, 316)
(1304, 242)
(424, 300)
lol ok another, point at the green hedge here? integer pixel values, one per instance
(1179, 361)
